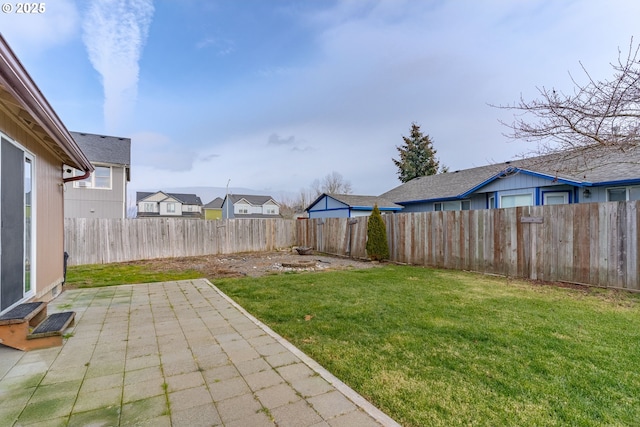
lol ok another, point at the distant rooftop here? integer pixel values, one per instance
(104, 149)
(187, 199)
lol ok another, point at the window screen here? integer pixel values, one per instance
(516, 200)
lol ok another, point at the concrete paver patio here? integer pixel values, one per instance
(171, 354)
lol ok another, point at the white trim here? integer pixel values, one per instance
(90, 182)
(34, 227)
(125, 200)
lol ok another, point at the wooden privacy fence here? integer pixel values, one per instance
(594, 243)
(101, 241)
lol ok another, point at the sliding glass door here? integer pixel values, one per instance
(16, 229)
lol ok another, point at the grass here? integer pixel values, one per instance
(443, 348)
(446, 348)
(87, 276)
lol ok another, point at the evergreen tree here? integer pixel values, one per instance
(377, 246)
(417, 156)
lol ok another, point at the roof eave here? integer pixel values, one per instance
(617, 182)
(513, 170)
(370, 208)
(18, 83)
(439, 199)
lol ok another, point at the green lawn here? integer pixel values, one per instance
(443, 348)
(88, 276)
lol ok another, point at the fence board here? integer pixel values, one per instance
(593, 243)
(100, 241)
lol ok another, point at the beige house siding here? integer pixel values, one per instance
(29, 122)
(49, 235)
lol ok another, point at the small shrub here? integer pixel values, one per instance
(377, 246)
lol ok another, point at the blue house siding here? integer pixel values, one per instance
(333, 213)
(520, 184)
(418, 207)
(553, 178)
(524, 183)
(517, 181)
(328, 207)
(347, 206)
(482, 197)
(227, 209)
(478, 201)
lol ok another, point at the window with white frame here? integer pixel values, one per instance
(100, 178)
(171, 207)
(513, 200)
(623, 194)
(555, 198)
(492, 202)
(455, 205)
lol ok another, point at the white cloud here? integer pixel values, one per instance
(115, 32)
(221, 45)
(275, 139)
(158, 151)
(377, 67)
(39, 31)
(384, 64)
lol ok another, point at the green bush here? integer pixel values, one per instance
(377, 246)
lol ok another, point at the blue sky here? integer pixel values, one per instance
(274, 94)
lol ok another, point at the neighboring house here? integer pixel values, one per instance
(545, 180)
(347, 206)
(35, 146)
(213, 209)
(248, 206)
(104, 193)
(161, 204)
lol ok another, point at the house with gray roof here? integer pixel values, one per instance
(168, 205)
(329, 205)
(579, 176)
(213, 209)
(103, 194)
(250, 206)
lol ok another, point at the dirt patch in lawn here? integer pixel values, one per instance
(255, 264)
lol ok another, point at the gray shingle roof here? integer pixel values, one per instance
(355, 201)
(443, 185)
(254, 200)
(104, 149)
(214, 204)
(581, 167)
(187, 199)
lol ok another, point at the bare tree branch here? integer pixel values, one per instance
(331, 183)
(598, 116)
